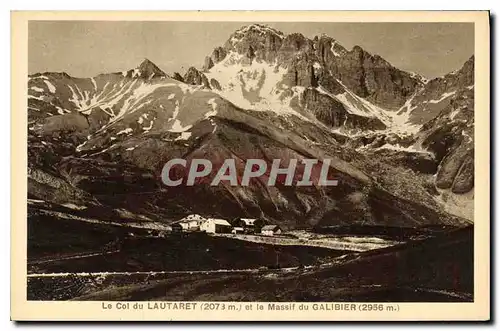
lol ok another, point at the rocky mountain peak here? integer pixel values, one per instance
(147, 70)
(327, 49)
(260, 29)
(177, 76)
(147, 64)
(257, 40)
(468, 69)
(264, 43)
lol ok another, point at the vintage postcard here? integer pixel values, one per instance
(256, 166)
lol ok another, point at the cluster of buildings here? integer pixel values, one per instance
(197, 223)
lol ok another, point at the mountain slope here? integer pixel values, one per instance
(263, 95)
(384, 112)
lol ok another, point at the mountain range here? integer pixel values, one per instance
(402, 146)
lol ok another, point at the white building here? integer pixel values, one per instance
(270, 230)
(216, 225)
(238, 229)
(193, 217)
(192, 222)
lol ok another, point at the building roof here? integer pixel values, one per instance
(248, 221)
(219, 221)
(193, 217)
(270, 227)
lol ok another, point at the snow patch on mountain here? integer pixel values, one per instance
(400, 119)
(467, 137)
(146, 129)
(212, 103)
(397, 147)
(176, 110)
(183, 136)
(73, 206)
(94, 83)
(257, 86)
(133, 101)
(421, 78)
(454, 113)
(333, 49)
(443, 96)
(41, 77)
(259, 28)
(113, 97)
(37, 89)
(136, 73)
(346, 99)
(177, 127)
(365, 107)
(116, 98)
(125, 131)
(51, 87)
(142, 118)
(41, 98)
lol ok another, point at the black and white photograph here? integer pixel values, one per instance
(249, 161)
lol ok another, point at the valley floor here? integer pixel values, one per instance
(75, 260)
(347, 243)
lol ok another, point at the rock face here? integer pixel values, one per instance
(208, 63)
(451, 138)
(332, 78)
(449, 135)
(215, 84)
(326, 80)
(194, 77)
(254, 40)
(177, 76)
(437, 93)
(328, 49)
(146, 70)
(371, 77)
(301, 73)
(218, 55)
(333, 113)
(327, 110)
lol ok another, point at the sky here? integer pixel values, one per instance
(88, 48)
